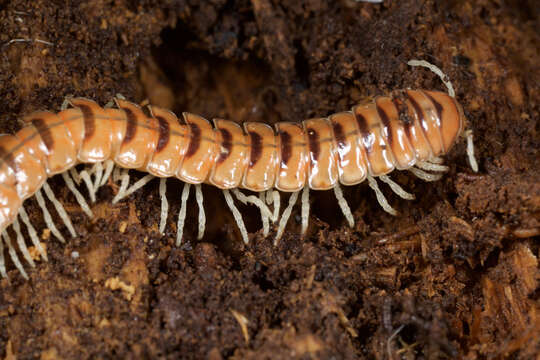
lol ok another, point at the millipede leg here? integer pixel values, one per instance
(85, 176)
(470, 151)
(276, 199)
(109, 166)
(380, 196)
(425, 175)
(123, 192)
(202, 215)
(60, 209)
(164, 204)
(396, 188)
(265, 222)
(437, 71)
(252, 199)
(424, 165)
(33, 234)
(182, 214)
(285, 217)
(13, 254)
(80, 198)
(305, 209)
(98, 175)
(22, 244)
(237, 216)
(75, 175)
(47, 217)
(345, 209)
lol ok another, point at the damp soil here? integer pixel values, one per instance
(454, 275)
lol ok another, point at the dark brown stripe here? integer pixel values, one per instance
(364, 131)
(438, 106)
(403, 114)
(226, 145)
(286, 147)
(131, 125)
(89, 121)
(339, 135)
(195, 139)
(164, 133)
(7, 156)
(313, 142)
(387, 127)
(418, 111)
(44, 132)
(256, 148)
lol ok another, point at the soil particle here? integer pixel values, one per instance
(455, 275)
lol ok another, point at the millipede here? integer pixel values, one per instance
(406, 130)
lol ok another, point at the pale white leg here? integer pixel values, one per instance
(252, 199)
(13, 254)
(33, 234)
(396, 188)
(437, 71)
(2, 260)
(60, 209)
(47, 217)
(265, 222)
(470, 151)
(276, 199)
(22, 244)
(80, 198)
(305, 209)
(139, 184)
(424, 165)
(237, 216)
(285, 216)
(202, 215)
(164, 204)
(98, 175)
(344, 205)
(109, 166)
(436, 160)
(425, 175)
(182, 214)
(380, 196)
(124, 183)
(116, 175)
(85, 176)
(75, 175)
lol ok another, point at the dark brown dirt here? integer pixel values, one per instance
(455, 275)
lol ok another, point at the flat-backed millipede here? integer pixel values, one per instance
(407, 130)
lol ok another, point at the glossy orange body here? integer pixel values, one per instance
(372, 139)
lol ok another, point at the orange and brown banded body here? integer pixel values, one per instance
(140, 137)
(18, 168)
(394, 132)
(389, 132)
(352, 161)
(96, 135)
(171, 145)
(322, 169)
(201, 150)
(262, 158)
(449, 113)
(50, 141)
(232, 155)
(370, 128)
(292, 172)
(10, 204)
(429, 118)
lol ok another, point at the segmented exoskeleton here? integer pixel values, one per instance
(407, 130)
